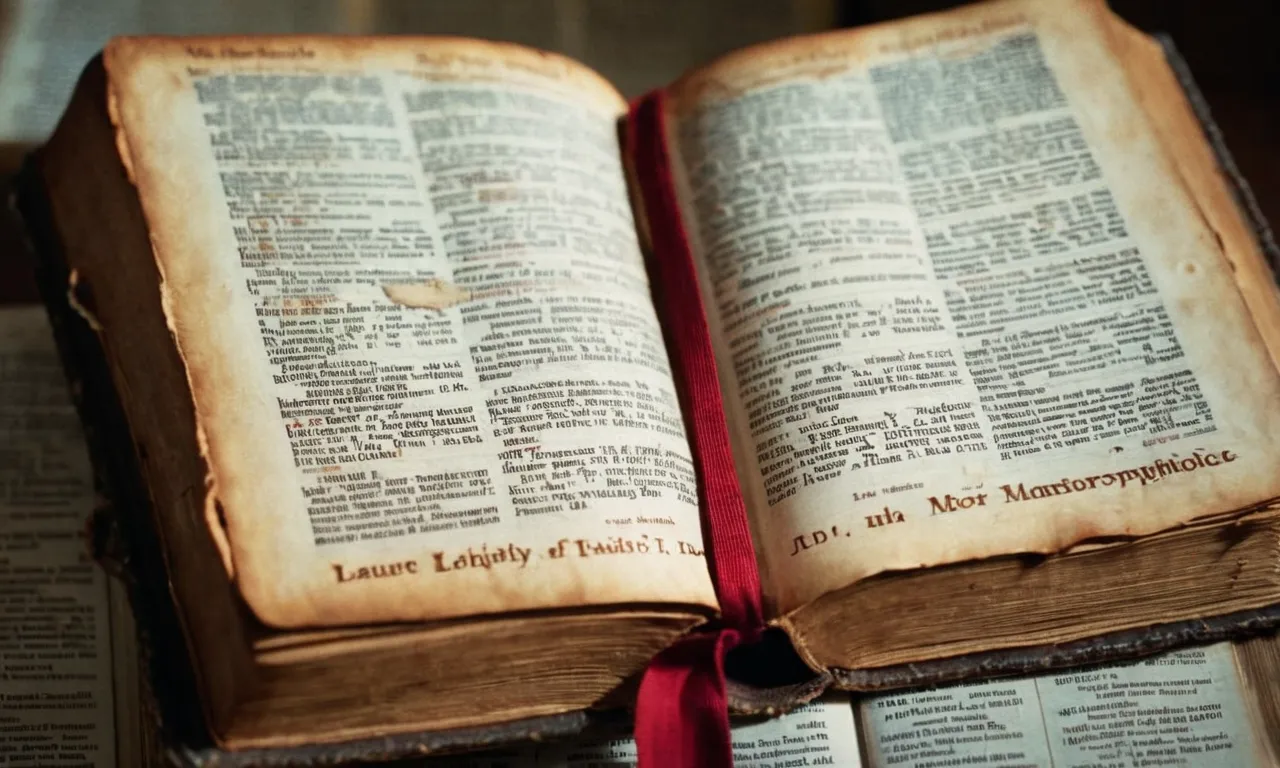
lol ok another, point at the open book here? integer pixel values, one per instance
(1213, 704)
(421, 450)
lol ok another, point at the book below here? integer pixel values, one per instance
(369, 348)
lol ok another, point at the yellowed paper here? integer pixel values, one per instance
(405, 281)
(964, 307)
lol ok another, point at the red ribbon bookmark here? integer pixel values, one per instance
(682, 714)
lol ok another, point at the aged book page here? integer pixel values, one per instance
(56, 684)
(1184, 708)
(405, 281)
(964, 306)
(1169, 112)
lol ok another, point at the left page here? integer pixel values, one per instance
(405, 282)
(56, 688)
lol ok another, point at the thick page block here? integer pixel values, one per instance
(128, 548)
(130, 544)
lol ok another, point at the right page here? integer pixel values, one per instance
(962, 302)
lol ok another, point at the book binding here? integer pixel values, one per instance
(130, 550)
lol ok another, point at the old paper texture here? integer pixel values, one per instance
(405, 282)
(1181, 709)
(964, 305)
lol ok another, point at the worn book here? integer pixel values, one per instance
(1215, 704)
(83, 700)
(437, 390)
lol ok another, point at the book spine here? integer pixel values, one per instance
(674, 281)
(682, 714)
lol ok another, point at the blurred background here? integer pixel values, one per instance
(637, 44)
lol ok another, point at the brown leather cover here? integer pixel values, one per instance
(766, 680)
